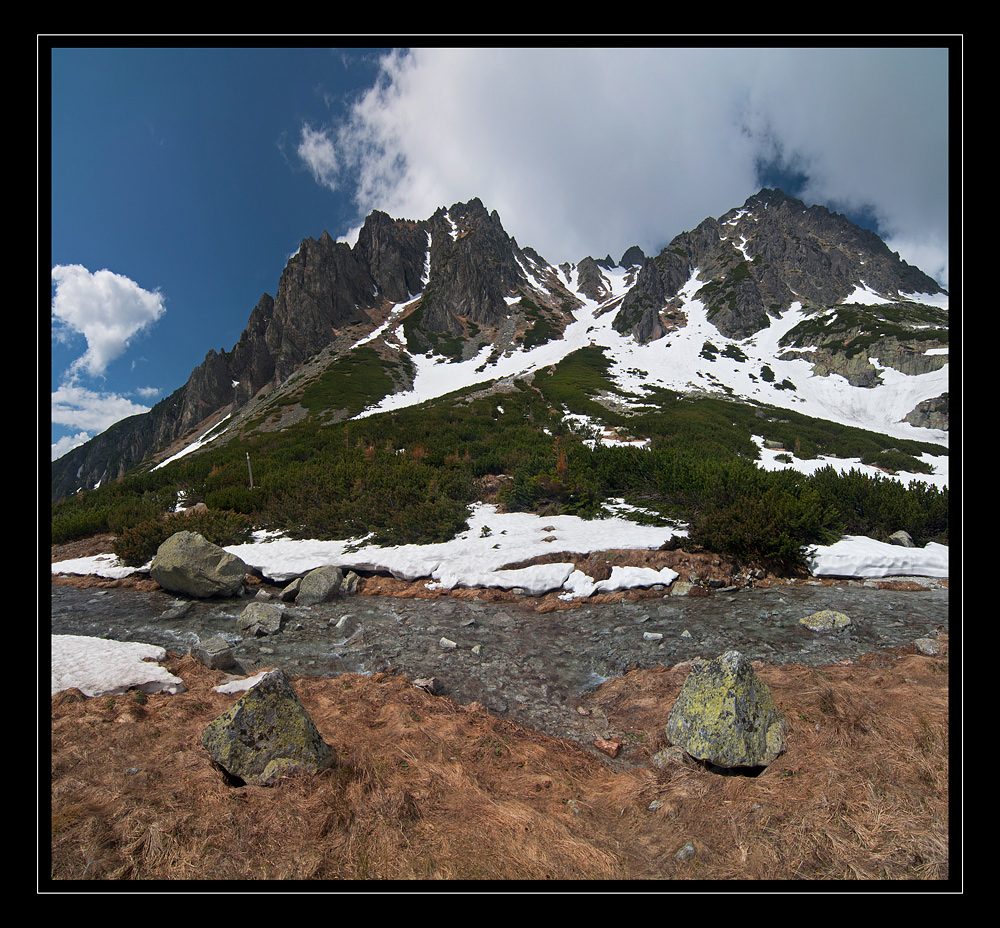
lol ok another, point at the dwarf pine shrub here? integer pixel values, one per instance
(137, 543)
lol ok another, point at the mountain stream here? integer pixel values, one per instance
(516, 662)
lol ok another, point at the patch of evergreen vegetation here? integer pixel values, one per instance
(136, 544)
(904, 321)
(354, 381)
(410, 476)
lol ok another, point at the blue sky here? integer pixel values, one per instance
(182, 179)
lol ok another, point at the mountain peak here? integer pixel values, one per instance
(456, 287)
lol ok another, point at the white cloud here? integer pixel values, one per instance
(320, 156)
(76, 407)
(109, 310)
(67, 443)
(927, 253)
(592, 150)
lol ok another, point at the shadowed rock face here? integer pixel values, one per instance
(267, 734)
(725, 715)
(759, 259)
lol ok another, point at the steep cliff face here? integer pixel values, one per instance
(395, 252)
(473, 269)
(326, 288)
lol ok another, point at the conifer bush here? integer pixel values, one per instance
(137, 543)
(132, 511)
(775, 526)
(72, 524)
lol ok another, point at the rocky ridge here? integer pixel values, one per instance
(457, 283)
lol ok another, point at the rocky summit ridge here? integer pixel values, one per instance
(457, 289)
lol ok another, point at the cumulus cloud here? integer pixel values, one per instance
(90, 411)
(107, 309)
(67, 443)
(588, 151)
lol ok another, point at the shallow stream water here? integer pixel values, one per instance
(514, 661)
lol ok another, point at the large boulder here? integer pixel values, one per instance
(725, 715)
(189, 564)
(319, 585)
(267, 734)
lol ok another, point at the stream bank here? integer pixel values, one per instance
(533, 667)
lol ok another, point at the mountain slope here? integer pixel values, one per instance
(772, 303)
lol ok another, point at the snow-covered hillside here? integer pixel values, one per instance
(676, 362)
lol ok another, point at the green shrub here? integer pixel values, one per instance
(236, 499)
(137, 543)
(878, 506)
(220, 528)
(774, 527)
(132, 511)
(72, 524)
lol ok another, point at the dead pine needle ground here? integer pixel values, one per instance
(426, 789)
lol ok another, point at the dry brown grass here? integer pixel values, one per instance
(427, 789)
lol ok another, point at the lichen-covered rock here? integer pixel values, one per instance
(267, 734)
(826, 620)
(187, 563)
(725, 715)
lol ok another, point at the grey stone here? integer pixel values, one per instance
(930, 414)
(267, 734)
(187, 563)
(686, 852)
(319, 585)
(350, 584)
(215, 653)
(725, 715)
(260, 619)
(901, 538)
